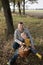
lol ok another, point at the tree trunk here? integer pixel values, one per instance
(19, 7)
(0, 5)
(23, 7)
(8, 16)
(14, 5)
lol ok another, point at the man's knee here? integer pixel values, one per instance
(16, 45)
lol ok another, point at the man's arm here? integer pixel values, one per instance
(16, 38)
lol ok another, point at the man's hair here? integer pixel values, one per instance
(20, 23)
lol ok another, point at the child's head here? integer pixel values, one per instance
(23, 35)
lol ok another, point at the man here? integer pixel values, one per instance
(17, 38)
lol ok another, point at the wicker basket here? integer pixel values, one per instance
(23, 51)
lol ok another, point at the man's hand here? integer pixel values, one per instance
(21, 43)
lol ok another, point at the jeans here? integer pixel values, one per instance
(16, 45)
(13, 59)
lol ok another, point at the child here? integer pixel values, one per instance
(28, 44)
(26, 39)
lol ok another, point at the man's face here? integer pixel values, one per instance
(20, 27)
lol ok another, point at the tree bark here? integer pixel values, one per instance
(14, 5)
(19, 7)
(23, 7)
(8, 16)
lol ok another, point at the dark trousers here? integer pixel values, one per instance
(16, 45)
(13, 59)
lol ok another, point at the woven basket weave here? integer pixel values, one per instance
(23, 52)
